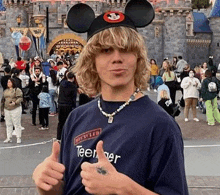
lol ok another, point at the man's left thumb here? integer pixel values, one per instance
(100, 151)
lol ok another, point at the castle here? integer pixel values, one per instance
(176, 29)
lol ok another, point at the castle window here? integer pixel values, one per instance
(189, 29)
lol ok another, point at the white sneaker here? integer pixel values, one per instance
(186, 119)
(155, 90)
(148, 88)
(22, 128)
(8, 140)
(195, 119)
(18, 140)
(13, 132)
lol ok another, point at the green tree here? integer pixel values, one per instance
(198, 4)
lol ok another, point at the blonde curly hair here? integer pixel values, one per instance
(119, 38)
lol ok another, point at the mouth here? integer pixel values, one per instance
(118, 71)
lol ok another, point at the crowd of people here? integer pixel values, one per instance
(48, 87)
(195, 84)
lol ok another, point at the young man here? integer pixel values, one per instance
(37, 80)
(143, 147)
(66, 100)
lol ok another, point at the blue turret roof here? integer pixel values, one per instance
(215, 9)
(201, 23)
(2, 8)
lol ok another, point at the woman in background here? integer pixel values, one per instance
(169, 79)
(12, 98)
(52, 84)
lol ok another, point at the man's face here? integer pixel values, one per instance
(116, 68)
(37, 72)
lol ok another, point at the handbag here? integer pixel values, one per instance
(176, 111)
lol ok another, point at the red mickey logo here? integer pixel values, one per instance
(113, 17)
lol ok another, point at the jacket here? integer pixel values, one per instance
(12, 95)
(190, 90)
(67, 94)
(205, 94)
(45, 100)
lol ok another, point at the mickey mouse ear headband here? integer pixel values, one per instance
(81, 17)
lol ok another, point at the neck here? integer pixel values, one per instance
(118, 94)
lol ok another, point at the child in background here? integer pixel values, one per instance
(44, 106)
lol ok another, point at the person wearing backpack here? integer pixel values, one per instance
(209, 91)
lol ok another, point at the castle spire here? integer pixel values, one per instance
(215, 9)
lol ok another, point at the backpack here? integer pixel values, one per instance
(212, 87)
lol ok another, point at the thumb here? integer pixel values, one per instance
(55, 151)
(100, 152)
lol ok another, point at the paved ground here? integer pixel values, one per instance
(194, 133)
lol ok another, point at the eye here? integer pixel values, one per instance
(107, 50)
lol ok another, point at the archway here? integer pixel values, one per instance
(68, 43)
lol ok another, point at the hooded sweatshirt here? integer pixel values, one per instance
(67, 93)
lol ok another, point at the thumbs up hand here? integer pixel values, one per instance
(50, 172)
(100, 177)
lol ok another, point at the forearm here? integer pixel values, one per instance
(130, 187)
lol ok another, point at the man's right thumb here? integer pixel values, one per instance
(55, 151)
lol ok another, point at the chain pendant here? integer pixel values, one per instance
(110, 119)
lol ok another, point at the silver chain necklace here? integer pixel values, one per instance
(111, 116)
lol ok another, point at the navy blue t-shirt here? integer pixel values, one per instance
(143, 142)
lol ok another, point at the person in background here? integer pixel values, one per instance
(181, 64)
(25, 88)
(61, 71)
(163, 68)
(20, 64)
(211, 66)
(12, 63)
(197, 70)
(52, 84)
(161, 86)
(191, 86)
(66, 100)
(209, 96)
(53, 64)
(12, 98)
(204, 67)
(35, 63)
(174, 63)
(169, 79)
(4, 83)
(37, 80)
(154, 73)
(44, 105)
(165, 102)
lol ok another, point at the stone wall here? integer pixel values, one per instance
(215, 45)
(198, 48)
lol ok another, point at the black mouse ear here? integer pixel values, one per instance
(141, 12)
(80, 17)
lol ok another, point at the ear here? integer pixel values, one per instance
(141, 12)
(80, 17)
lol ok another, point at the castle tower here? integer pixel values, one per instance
(174, 30)
(214, 20)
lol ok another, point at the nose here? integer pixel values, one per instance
(117, 57)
